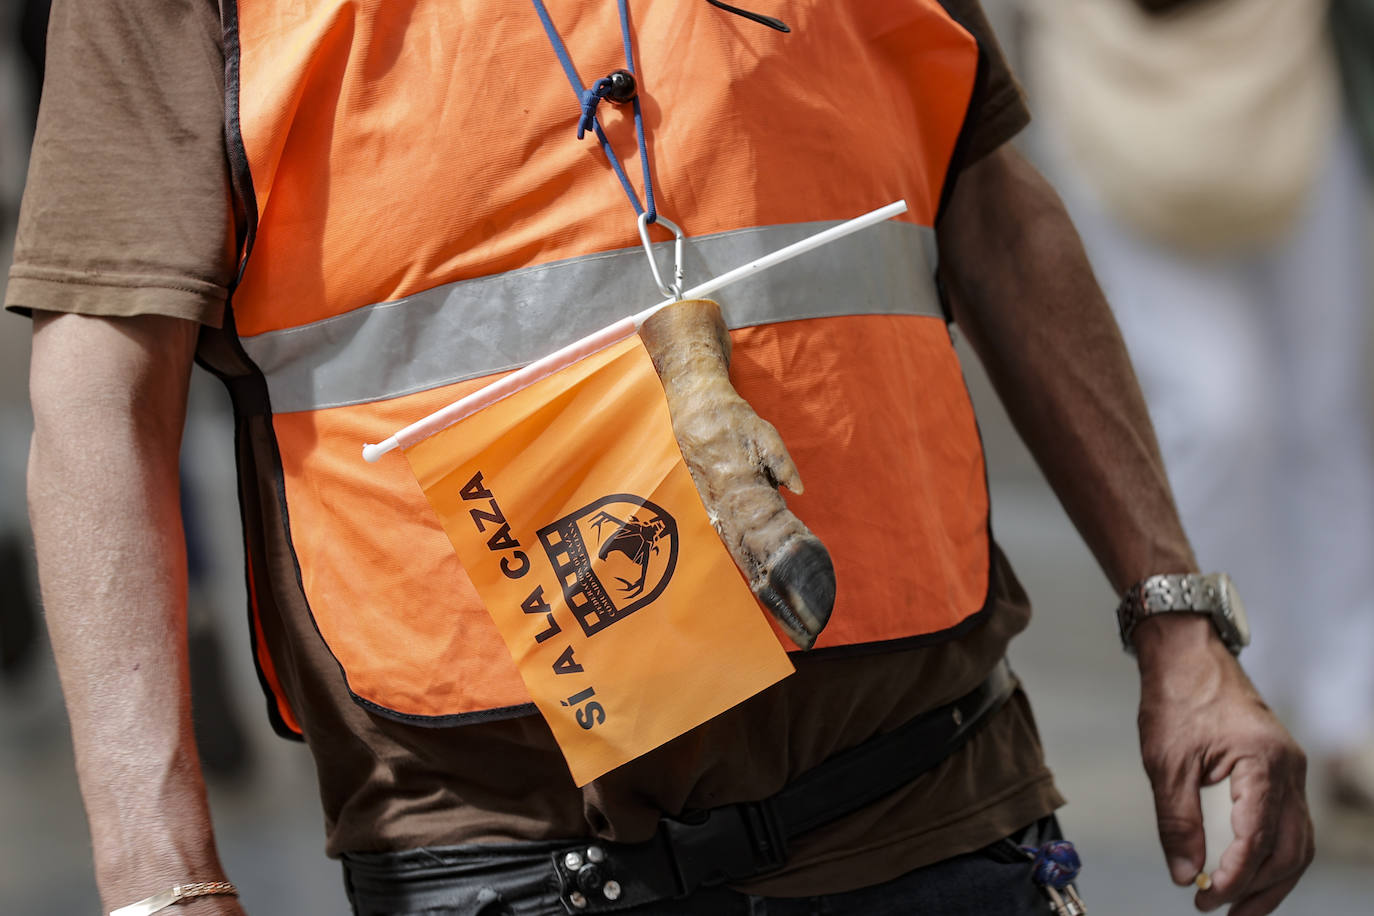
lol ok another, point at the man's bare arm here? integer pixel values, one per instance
(1024, 295)
(109, 403)
(1021, 289)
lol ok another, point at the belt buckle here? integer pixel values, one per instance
(585, 882)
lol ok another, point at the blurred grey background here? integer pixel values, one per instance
(267, 816)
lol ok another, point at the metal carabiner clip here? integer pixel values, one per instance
(673, 291)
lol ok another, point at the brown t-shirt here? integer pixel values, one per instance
(128, 212)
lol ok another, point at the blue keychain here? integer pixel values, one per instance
(1054, 866)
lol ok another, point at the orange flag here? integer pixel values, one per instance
(570, 506)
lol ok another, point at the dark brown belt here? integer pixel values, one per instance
(740, 841)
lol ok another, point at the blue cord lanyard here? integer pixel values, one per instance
(591, 96)
(588, 98)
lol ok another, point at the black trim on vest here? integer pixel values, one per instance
(493, 714)
(245, 382)
(957, 161)
(248, 394)
(255, 557)
(903, 643)
(958, 157)
(245, 200)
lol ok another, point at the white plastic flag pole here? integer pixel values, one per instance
(782, 254)
(445, 417)
(1216, 828)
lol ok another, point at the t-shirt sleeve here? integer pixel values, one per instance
(999, 111)
(127, 208)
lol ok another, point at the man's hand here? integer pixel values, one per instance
(1201, 721)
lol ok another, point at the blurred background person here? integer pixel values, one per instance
(1205, 156)
(22, 27)
(1352, 28)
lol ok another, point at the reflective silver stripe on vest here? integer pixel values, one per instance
(477, 327)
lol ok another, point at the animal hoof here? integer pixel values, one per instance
(799, 589)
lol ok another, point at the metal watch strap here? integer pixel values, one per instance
(1162, 593)
(1179, 592)
(1172, 592)
(174, 895)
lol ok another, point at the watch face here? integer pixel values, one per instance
(1234, 609)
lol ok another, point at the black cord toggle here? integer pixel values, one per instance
(621, 87)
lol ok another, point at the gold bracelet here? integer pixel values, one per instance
(175, 895)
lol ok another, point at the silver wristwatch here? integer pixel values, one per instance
(1214, 595)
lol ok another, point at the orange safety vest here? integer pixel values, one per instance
(418, 217)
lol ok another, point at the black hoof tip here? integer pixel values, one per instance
(800, 589)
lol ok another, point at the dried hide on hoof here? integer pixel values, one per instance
(738, 461)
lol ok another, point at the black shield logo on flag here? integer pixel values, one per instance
(612, 557)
